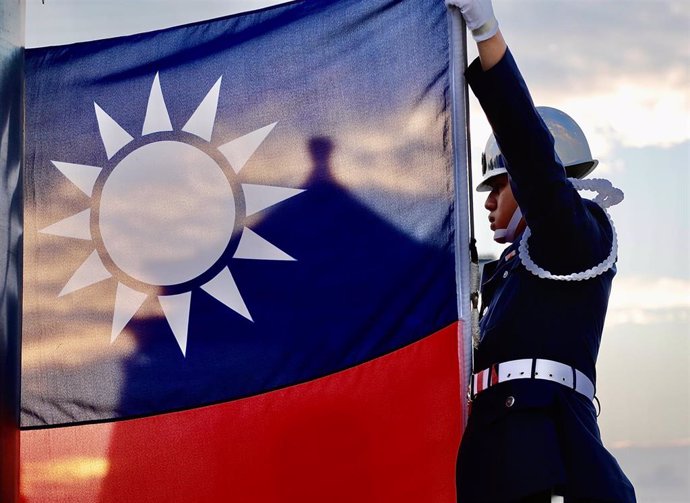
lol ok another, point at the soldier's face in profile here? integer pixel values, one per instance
(500, 202)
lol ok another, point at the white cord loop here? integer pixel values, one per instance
(607, 196)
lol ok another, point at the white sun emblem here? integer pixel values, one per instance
(164, 214)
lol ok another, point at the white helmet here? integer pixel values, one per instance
(569, 142)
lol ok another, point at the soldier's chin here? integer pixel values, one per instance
(501, 236)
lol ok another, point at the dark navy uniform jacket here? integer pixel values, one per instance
(548, 436)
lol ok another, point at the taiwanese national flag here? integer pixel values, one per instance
(239, 261)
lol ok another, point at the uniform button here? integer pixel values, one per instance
(510, 401)
(505, 274)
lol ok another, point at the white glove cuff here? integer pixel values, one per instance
(479, 17)
(485, 31)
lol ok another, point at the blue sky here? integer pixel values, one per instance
(622, 70)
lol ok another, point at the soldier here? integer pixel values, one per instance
(532, 431)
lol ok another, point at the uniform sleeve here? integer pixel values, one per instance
(569, 234)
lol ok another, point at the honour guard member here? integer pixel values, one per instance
(532, 431)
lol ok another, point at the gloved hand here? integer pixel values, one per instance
(479, 17)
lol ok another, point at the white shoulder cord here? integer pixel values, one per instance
(607, 196)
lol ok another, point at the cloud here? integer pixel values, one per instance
(629, 444)
(636, 115)
(619, 68)
(646, 301)
(582, 46)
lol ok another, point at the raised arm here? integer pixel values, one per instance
(570, 234)
(480, 20)
(491, 50)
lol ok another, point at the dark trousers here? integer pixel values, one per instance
(541, 497)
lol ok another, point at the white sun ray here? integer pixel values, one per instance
(157, 118)
(224, 289)
(254, 247)
(112, 134)
(238, 151)
(127, 303)
(176, 310)
(81, 175)
(260, 197)
(202, 120)
(90, 271)
(77, 226)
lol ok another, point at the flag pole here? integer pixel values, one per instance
(466, 256)
(11, 216)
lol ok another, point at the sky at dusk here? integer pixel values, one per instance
(621, 69)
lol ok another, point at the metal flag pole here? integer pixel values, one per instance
(466, 255)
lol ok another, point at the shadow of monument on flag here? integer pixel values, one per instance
(250, 420)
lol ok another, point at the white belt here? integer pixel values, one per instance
(532, 368)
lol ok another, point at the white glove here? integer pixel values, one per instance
(479, 17)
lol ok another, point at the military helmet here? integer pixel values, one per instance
(569, 141)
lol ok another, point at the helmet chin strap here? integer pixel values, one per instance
(507, 235)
